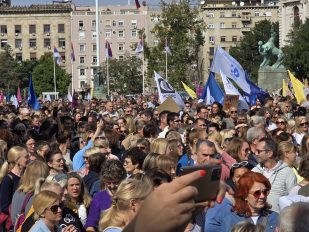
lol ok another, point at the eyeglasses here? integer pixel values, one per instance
(260, 151)
(280, 122)
(54, 208)
(191, 123)
(100, 137)
(141, 147)
(241, 164)
(188, 106)
(177, 120)
(233, 112)
(304, 124)
(257, 194)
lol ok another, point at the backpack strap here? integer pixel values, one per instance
(25, 202)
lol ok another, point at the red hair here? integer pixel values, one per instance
(244, 185)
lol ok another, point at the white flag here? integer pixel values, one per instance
(230, 67)
(230, 89)
(15, 102)
(165, 90)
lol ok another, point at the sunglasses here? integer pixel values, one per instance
(304, 124)
(177, 120)
(241, 164)
(281, 122)
(54, 208)
(257, 194)
(233, 112)
(141, 147)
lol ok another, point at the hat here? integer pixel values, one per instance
(304, 191)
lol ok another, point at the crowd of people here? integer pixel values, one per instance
(114, 166)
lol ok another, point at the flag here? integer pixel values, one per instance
(32, 100)
(88, 97)
(69, 96)
(230, 89)
(91, 93)
(108, 50)
(74, 99)
(137, 4)
(230, 67)
(19, 98)
(298, 88)
(139, 47)
(167, 48)
(212, 91)
(72, 53)
(284, 88)
(1, 96)
(165, 90)
(48, 98)
(57, 56)
(189, 91)
(15, 102)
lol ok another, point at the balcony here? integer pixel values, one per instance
(245, 18)
(245, 29)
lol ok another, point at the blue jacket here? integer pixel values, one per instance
(233, 218)
(78, 159)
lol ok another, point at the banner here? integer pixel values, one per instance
(212, 91)
(298, 88)
(189, 91)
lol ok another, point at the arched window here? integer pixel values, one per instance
(296, 15)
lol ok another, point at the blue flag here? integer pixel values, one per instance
(212, 91)
(32, 100)
(256, 92)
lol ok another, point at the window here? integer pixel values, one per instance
(193, 66)
(121, 34)
(82, 47)
(222, 38)
(155, 42)
(32, 43)
(296, 15)
(121, 23)
(32, 55)
(18, 29)
(222, 15)
(222, 25)
(81, 35)
(81, 59)
(268, 14)
(120, 47)
(81, 25)
(82, 72)
(61, 28)
(61, 42)
(46, 28)
(19, 56)
(211, 26)
(211, 39)
(234, 25)
(234, 38)
(18, 43)
(4, 42)
(108, 34)
(82, 84)
(234, 14)
(256, 13)
(94, 59)
(62, 54)
(46, 43)
(107, 23)
(211, 51)
(114, 23)
(134, 23)
(93, 23)
(94, 47)
(32, 29)
(134, 34)
(94, 35)
(3, 29)
(211, 15)
(120, 57)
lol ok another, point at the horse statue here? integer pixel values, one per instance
(268, 50)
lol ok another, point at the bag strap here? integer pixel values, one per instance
(25, 202)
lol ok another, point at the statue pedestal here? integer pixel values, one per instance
(271, 80)
(99, 93)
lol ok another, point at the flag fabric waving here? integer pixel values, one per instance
(137, 4)
(212, 91)
(165, 90)
(32, 100)
(19, 98)
(57, 56)
(72, 53)
(189, 90)
(140, 47)
(230, 67)
(167, 48)
(298, 88)
(108, 50)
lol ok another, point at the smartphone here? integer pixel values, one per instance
(208, 185)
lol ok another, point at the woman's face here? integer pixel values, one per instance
(304, 126)
(57, 162)
(74, 188)
(22, 161)
(238, 173)
(281, 124)
(30, 145)
(290, 157)
(257, 197)
(244, 151)
(53, 214)
(129, 166)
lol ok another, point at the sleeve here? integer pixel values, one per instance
(291, 180)
(94, 214)
(228, 160)
(78, 159)
(6, 193)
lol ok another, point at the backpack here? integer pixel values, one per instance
(22, 215)
(5, 219)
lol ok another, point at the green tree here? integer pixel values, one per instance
(43, 76)
(180, 26)
(246, 51)
(125, 75)
(297, 51)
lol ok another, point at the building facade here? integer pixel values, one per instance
(31, 31)
(119, 25)
(291, 12)
(227, 22)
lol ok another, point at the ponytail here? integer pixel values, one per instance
(4, 170)
(111, 217)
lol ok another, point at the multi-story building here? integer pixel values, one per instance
(227, 22)
(291, 12)
(34, 30)
(119, 25)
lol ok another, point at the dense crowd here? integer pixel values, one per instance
(114, 166)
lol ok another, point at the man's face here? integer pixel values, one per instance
(109, 106)
(262, 153)
(145, 118)
(203, 113)
(233, 112)
(200, 124)
(204, 154)
(175, 124)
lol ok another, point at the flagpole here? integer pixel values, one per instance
(55, 86)
(72, 87)
(107, 74)
(143, 71)
(166, 65)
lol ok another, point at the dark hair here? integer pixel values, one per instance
(271, 145)
(136, 155)
(158, 176)
(95, 162)
(147, 113)
(204, 141)
(112, 170)
(303, 169)
(50, 155)
(200, 107)
(171, 116)
(164, 112)
(212, 124)
(63, 136)
(150, 130)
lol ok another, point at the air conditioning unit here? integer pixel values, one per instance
(81, 28)
(16, 34)
(63, 47)
(48, 34)
(49, 47)
(20, 48)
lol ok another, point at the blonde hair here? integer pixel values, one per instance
(44, 200)
(166, 162)
(2, 144)
(298, 121)
(215, 136)
(128, 190)
(104, 143)
(92, 150)
(285, 147)
(159, 146)
(226, 134)
(34, 173)
(172, 148)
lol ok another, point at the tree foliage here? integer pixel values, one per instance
(180, 26)
(297, 51)
(43, 76)
(125, 75)
(246, 51)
